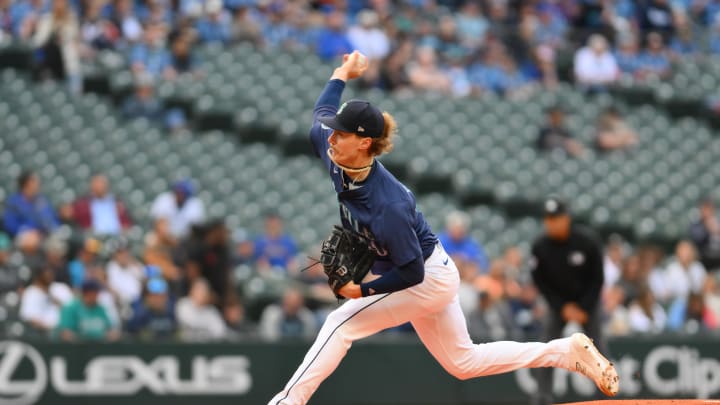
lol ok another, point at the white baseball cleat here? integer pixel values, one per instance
(587, 360)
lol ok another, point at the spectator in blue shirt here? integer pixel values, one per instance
(471, 24)
(305, 33)
(143, 102)
(714, 38)
(457, 242)
(455, 70)
(684, 44)
(153, 316)
(275, 249)
(627, 56)
(234, 5)
(551, 26)
(214, 26)
(655, 60)
(151, 56)
(27, 210)
(625, 9)
(512, 81)
(711, 12)
(277, 31)
(333, 40)
(155, 12)
(497, 71)
(485, 77)
(25, 15)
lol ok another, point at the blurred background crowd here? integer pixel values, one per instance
(452, 47)
(76, 276)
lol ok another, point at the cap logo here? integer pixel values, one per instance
(360, 129)
(551, 205)
(342, 107)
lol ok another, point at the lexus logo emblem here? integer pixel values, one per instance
(20, 392)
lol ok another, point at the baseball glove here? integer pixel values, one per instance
(346, 256)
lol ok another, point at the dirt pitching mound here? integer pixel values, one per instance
(648, 402)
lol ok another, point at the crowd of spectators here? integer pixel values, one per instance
(451, 47)
(644, 291)
(79, 277)
(652, 295)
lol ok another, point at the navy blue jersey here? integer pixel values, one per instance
(381, 208)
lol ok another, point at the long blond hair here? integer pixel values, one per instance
(384, 143)
(380, 145)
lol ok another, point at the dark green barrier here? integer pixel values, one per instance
(373, 373)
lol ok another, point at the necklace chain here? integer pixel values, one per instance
(352, 181)
(347, 170)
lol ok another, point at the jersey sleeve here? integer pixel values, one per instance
(398, 233)
(326, 105)
(396, 279)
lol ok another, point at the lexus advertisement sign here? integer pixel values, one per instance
(174, 373)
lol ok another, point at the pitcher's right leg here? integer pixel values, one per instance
(356, 319)
(341, 328)
(362, 317)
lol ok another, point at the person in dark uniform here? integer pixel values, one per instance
(567, 268)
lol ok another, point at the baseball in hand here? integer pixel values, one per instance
(362, 60)
(355, 64)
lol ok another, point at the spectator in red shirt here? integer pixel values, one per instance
(100, 211)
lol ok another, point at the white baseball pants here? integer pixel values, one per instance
(434, 311)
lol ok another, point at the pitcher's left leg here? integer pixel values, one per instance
(446, 337)
(355, 319)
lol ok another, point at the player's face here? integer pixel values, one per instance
(348, 149)
(557, 227)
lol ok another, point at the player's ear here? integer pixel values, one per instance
(365, 143)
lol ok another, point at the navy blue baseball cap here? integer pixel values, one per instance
(90, 284)
(357, 116)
